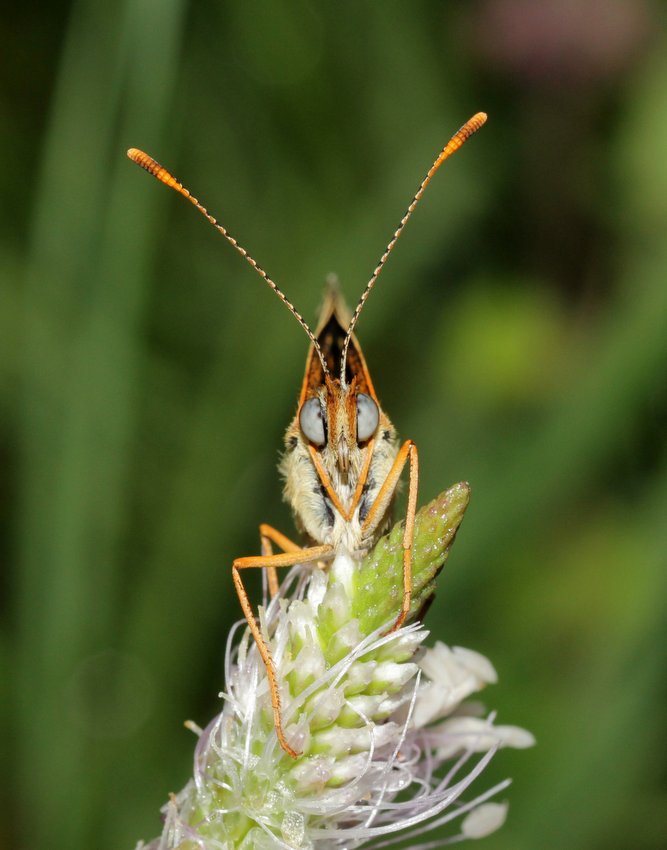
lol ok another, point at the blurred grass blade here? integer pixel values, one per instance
(89, 247)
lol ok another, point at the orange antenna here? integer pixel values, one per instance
(153, 167)
(471, 126)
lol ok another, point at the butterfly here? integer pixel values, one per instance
(342, 461)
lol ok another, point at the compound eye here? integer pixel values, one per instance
(311, 421)
(368, 417)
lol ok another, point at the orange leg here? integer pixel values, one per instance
(328, 486)
(267, 535)
(284, 559)
(407, 453)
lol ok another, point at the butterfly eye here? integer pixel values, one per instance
(368, 417)
(311, 421)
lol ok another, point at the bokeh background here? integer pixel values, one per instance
(518, 335)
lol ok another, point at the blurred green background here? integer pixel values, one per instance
(518, 335)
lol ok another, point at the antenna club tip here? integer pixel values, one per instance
(153, 167)
(473, 124)
(144, 160)
(135, 154)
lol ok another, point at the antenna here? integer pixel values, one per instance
(153, 167)
(471, 126)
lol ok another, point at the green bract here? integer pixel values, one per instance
(378, 583)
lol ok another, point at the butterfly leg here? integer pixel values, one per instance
(407, 454)
(267, 535)
(283, 559)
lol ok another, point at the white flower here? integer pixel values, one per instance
(454, 675)
(483, 820)
(362, 724)
(389, 746)
(472, 734)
